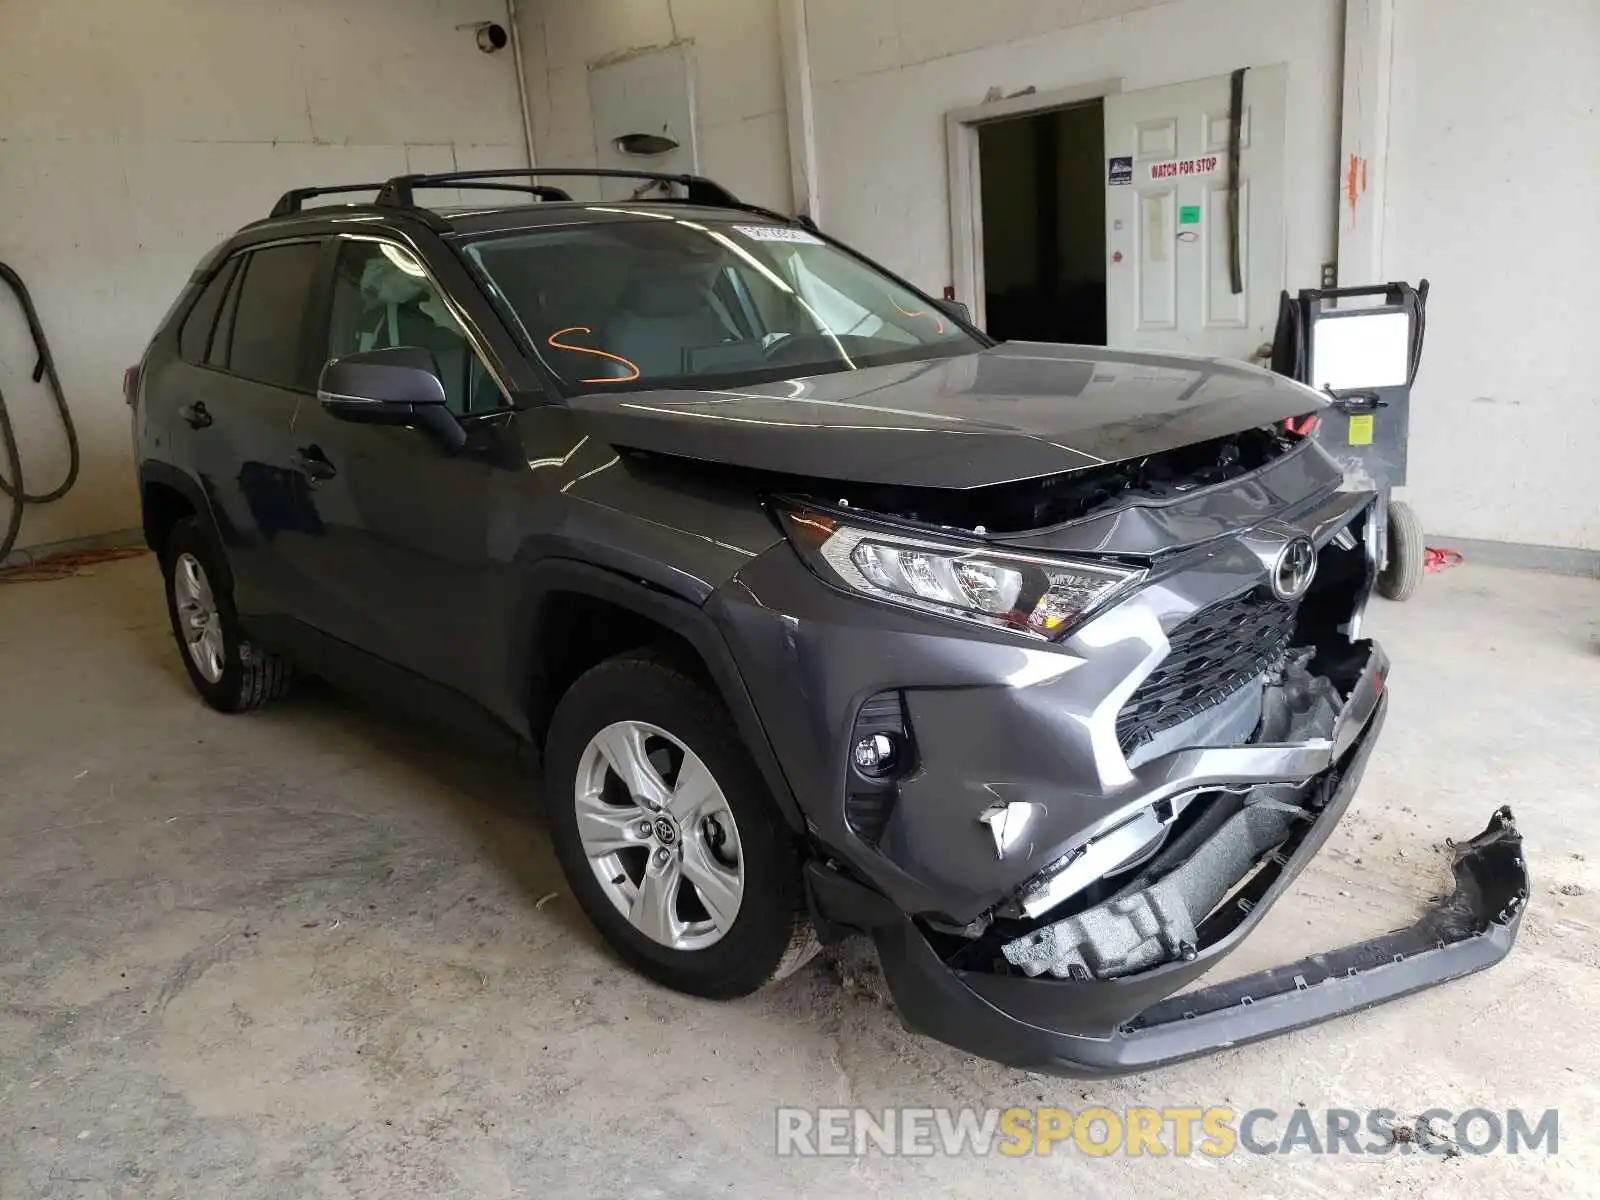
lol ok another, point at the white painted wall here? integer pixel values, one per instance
(886, 73)
(1493, 193)
(136, 135)
(738, 81)
(1492, 136)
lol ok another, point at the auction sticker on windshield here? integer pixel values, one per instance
(778, 233)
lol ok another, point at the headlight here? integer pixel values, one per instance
(1042, 597)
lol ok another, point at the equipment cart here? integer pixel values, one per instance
(1362, 347)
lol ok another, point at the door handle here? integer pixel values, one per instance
(313, 464)
(195, 414)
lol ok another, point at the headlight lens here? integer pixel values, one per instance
(1041, 597)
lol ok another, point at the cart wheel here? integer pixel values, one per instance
(1406, 553)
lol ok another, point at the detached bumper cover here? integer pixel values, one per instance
(1133, 1023)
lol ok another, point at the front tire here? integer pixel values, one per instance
(231, 674)
(667, 834)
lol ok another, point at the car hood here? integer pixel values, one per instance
(1011, 412)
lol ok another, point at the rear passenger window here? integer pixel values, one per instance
(194, 339)
(217, 351)
(265, 341)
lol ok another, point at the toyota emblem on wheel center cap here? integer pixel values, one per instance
(1293, 569)
(666, 833)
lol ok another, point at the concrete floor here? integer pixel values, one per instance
(303, 952)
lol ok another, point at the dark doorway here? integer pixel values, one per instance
(1044, 225)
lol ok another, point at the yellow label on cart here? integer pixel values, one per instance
(1361, 430)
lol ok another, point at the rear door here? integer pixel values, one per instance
(245, 341)
(1169, 282)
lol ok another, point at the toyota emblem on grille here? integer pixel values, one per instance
(1293, 569)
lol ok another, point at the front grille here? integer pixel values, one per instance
(1214, 653)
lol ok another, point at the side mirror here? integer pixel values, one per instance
(398, 385)
(956, 309)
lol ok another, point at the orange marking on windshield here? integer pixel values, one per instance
(632, 366)
(938, 324)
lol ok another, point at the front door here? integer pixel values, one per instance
(1169, 278)
(393, 551)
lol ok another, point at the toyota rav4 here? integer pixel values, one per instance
(1044, 666)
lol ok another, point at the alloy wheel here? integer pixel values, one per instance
(659, 835)
(198, 617)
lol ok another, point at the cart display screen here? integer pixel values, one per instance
(1361, 350)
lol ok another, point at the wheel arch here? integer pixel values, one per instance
(568, 600)
(166, 496)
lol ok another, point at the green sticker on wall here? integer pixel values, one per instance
(1189, 214)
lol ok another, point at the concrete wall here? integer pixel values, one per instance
(738, 81)
(136, 135)
(1493, 191)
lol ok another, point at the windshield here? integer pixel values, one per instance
(667, 302)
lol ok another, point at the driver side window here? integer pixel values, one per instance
(382, 297)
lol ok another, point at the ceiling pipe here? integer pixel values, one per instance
(795, 53)
(522, 79)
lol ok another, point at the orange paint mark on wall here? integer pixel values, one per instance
(1355, 183)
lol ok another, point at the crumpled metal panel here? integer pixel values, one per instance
(1157, 923)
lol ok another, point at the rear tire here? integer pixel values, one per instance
(231, 674)
(707, 901)
(1407, 552)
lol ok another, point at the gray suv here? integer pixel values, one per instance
(1043, 666)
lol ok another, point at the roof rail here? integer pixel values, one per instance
(532, 189)
(294, 199)
(397, 193)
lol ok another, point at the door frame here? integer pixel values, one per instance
(966, 182)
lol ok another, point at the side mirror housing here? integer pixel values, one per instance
(398, 385)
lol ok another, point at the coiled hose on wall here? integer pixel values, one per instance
(11, 483)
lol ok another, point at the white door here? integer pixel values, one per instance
(1169, 280)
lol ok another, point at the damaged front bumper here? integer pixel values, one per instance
(1133, 1022)
(1070, 834)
